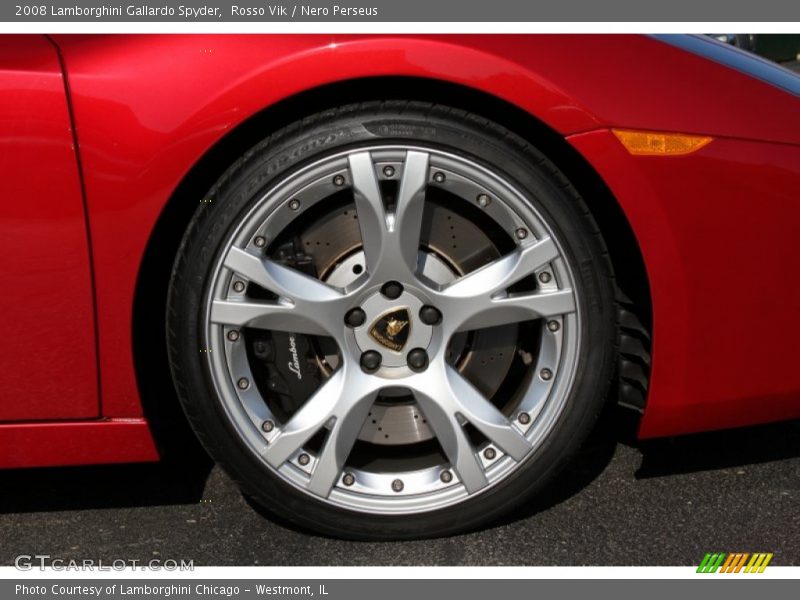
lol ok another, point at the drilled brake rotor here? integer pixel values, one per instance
(453, 246)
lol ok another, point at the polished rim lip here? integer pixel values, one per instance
(246, 410)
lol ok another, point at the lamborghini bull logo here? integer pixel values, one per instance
(391, 330)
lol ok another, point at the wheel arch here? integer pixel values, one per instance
(149, 350)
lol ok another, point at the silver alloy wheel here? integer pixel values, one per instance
(390, 247)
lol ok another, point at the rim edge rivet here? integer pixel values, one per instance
(545, 277)
(243, 383)
(268, 426)
(553, 326)
(524, 418)
(397, 485)
(546, 374)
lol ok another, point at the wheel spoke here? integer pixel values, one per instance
(344, 432)
(307, 421)
(442, 417)
(410, 208)
(520, 307)
(479, 299)
(342, 402)
(369, 206)
(306, 305)
(447, 398)
(505, 271)
(284, 281)
(264, 315)
(390, 240)
(476, 409)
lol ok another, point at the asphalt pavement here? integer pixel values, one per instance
(620, 503)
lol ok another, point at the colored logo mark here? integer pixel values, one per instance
(734, 562)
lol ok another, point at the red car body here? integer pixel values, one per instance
(98, 133)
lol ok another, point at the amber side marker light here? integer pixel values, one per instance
(648, 143)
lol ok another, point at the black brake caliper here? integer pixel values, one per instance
(286, 369)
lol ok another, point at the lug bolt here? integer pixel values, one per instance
(338, 180)
(392, 290)
(294, 204)
(430, 315)
(348, 479)
(545, 277)
(303, 459)
(260, 241)
(355, 317)
(546, 374)
(417, 359)
(521, 233)
(484, 200)
(553, 325)
(233, 335)
(524, 418)
(238, 286)
(489, 453)
(371, 361)
(268, 426)
(397, 485)
(446, 476)
(439, 177)
(388, 171)
(243, 383)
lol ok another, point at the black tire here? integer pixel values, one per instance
(345, 127)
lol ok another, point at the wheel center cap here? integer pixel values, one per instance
(392, 329)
